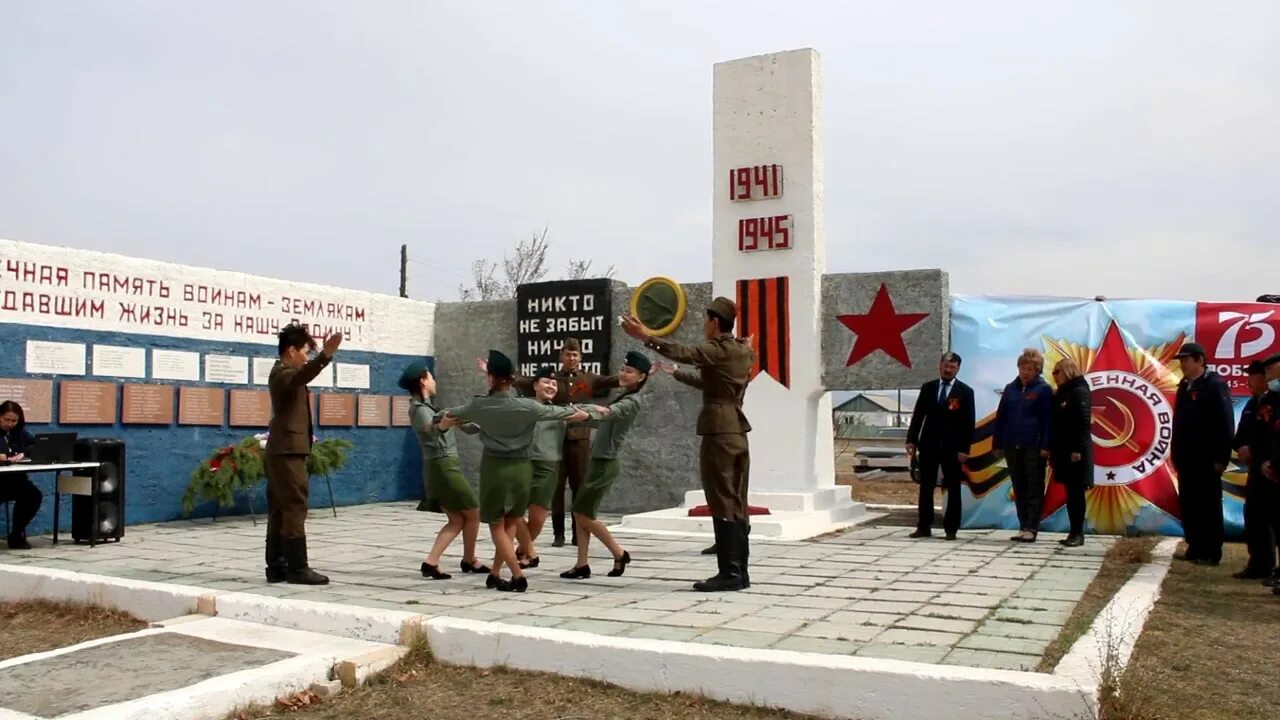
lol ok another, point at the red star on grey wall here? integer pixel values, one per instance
(880, 328)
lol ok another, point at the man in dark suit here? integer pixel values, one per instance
(288, 445)
(1204, 424)
(940, 436)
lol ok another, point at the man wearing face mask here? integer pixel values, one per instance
(1203, 426)
(1249, 443)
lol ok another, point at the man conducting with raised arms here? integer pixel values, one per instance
(723, 365)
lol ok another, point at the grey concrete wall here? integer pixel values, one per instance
(660, 460)
(911, 291)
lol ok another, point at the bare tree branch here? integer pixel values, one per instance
(527, 264)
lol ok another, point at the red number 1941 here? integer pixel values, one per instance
(755, 183)
(766, 233)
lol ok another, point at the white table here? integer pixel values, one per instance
(58, 488)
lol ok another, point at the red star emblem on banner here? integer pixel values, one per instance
(881, 328)
(1133, 393)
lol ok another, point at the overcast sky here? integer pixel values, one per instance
(1027, 148)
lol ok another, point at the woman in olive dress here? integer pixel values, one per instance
(612, 424)
(507, 426)
(444, 488)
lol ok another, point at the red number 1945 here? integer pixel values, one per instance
(766, 233)
(755, 183)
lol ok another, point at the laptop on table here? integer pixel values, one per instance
(52, 448)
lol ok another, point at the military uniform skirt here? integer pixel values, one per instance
(444, 487)
(546, 475)
(504, 487)
(600, 477)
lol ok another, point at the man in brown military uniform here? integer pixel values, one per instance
(723, 365)
(574, 385)
(288, 446)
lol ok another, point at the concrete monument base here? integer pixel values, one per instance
(792, 515)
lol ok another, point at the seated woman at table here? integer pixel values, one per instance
(16, 487)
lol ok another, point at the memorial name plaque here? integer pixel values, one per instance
(337, 410)
(549, 312)
(262, 370)
(400, 411)
(375, 410)
(230, 369)
(147, 405)
(84, 402)
(123, 362)
(55, 358)
(175, 365)
(202, 406)
(35, 397)
(348, 375)
(250, 408)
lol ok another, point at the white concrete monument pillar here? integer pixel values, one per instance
(769, 256)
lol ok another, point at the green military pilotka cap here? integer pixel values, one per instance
(412, 376)
(500, 365)
(724, 308)
(637, 360)
(545, 372)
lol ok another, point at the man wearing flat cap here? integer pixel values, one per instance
(723, 369)
(574, 385)
(1203, 428)
(1251, 434)
(939, 439)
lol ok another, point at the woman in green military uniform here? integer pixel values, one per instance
(444, 488)
(544, 456)
(612, 424)
(507, 425)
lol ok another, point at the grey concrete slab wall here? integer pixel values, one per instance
(660, 460)
(911, 292)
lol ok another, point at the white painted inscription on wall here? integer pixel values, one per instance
(122, 362)
(324, 379)
(230, 369)
(262, 370)
(63, 287)
(55, 358)
(175, 365)
(350, 375)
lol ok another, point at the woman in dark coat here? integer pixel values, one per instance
(1071, 447)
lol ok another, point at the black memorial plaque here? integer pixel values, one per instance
(549, 312)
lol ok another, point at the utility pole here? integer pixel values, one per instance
(404, 271)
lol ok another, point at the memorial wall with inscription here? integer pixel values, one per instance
(174, 360)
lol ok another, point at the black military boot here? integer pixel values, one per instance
(299, 573)
(557, 527)
(709, 550)
(745, 539)
(730, 559)
(276, 565)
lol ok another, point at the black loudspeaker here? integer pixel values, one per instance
(107, 492)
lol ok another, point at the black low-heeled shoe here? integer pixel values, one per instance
(577, 573)
(474, 567)
(431, 572)
(493, 582)
(620, 565)
(531, 563)
(519, 584)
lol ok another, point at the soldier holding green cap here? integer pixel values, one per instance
(612, 423)
(507, 425)
(723, 365)
(444, 487)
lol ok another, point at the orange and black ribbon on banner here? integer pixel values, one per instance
(764, 312)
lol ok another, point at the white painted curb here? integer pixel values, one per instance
(1116, 629)
(825, 685)
(148, 601)
(349, 621)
